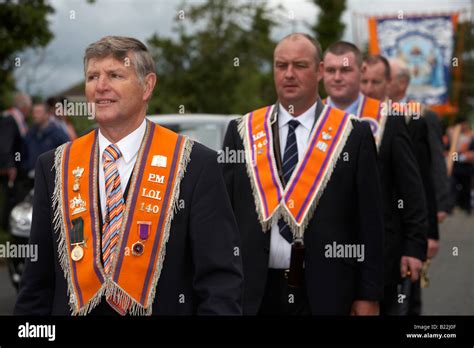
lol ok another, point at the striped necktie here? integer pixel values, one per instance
(114, 206)
(290, 160)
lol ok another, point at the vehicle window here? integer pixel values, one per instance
(207, 134)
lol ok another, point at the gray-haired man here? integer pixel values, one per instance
(109, 235)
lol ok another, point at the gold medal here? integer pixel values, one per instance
(77, 253)
(143, 231)
(138, 248)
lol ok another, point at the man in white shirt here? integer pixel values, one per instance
(309, 187)
(130, 212)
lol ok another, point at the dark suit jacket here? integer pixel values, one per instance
(418, 130)
(349, 212)
(405, 214)
(201, 261)
(10, 142)
(438, 162)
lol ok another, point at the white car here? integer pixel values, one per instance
(207, 129)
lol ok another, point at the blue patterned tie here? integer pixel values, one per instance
(113, 218)
(290, 160)
(114, 205)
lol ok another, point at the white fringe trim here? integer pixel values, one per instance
(275, 216)
(60, 227)
(124, 299)
(109, 287)
(93, 302)
(184, 160)
(282, 211)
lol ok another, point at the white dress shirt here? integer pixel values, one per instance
(280, 249)
(129, 147)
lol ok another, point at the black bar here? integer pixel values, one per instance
(259, 330)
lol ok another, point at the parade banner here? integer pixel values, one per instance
(426, 44)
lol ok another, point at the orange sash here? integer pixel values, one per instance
(154, 190)
(298, 200)
(372, 111)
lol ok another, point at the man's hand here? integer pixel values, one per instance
(360, 307)
(433, 247)
(442, 216)
(410, 266)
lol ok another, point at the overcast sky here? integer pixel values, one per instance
(75, 24)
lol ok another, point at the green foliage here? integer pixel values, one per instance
(329, 27)
(223, 67)
(23, 24)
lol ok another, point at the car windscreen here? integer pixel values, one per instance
(209, 134)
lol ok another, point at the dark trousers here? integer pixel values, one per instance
(389, 305)
(281, 299)
(415, 300)
(400, 302)
(461, 185)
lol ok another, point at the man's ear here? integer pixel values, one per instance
(320, 71)
(405, 82)
(150, 82)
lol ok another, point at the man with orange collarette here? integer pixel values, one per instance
(307, 199)
(424, 129)
(133, 219)
(405, 210)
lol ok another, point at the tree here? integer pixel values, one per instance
(23, 24)
(329, 27)
(223, 66)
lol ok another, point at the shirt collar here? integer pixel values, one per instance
(351, 109)
(128, 145)
(306, 119)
